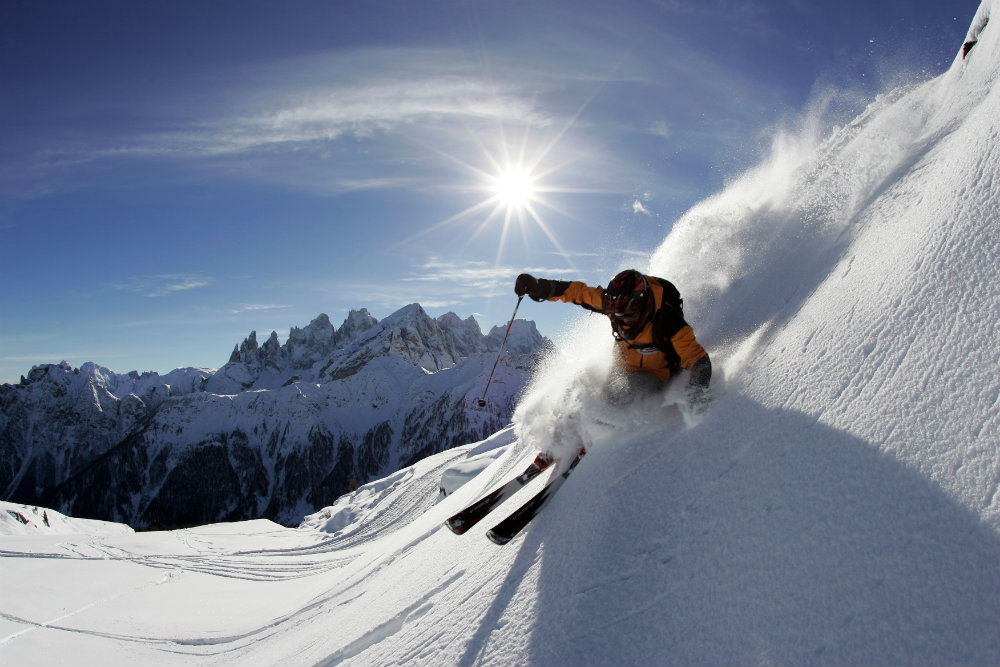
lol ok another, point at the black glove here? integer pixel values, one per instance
(539, 289)
(525, 284)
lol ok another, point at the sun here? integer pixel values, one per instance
(514, 188)
(511, 191)
(510, 177)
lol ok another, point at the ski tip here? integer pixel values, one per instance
(496, 539)
(457, 527)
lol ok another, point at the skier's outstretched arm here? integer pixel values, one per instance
(543, 289)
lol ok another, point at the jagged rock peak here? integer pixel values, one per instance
(47, 371)
(245, 352)
(250, 343)
(433, 344)
(320, 329)
(319, 339)
(306, 345)
(271, 349)
(466, 335)
(523, 339)
(453, 321)
(413, 312)
(357, 323)
(253, 355)
(272, 340)
(320, 353)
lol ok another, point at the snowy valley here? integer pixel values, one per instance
(839, 502)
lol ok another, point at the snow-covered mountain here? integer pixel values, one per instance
(277, 432)
(839, 503)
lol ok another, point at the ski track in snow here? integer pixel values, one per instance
(218, 552)
(390, 627)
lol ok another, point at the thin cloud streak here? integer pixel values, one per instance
(253, 308)
(475, 274)
(358, 112)
(164, 284)
(439, 284)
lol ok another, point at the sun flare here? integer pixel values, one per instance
(514, 187)
(512, 194)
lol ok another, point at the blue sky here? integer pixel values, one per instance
(174, 175)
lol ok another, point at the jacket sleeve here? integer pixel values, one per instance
(591, 298)
(687, 346)
(674, 336)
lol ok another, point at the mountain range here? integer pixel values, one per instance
(276, 432)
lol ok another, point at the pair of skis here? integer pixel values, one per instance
(506, 530)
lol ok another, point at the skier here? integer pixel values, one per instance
(647, 322)
(653, 341)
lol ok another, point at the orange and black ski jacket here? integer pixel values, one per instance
(661, 346)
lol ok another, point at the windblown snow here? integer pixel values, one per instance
(839, 503)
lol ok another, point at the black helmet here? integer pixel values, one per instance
(628, 299)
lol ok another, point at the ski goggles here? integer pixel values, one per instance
(628, 315)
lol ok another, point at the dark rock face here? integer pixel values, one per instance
(275, 433)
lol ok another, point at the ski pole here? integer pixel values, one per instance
(482, 401)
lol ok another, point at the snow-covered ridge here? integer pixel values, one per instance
(27, 520)
(277, 431)
(320, 353)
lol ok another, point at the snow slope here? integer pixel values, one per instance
(838, 504)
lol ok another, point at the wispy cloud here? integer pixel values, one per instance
(637, 254)
(660, 129)
(317, 115)
(440, 284)
(475, 275)
(164, 284)
(256, 307)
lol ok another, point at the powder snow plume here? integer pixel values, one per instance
(770, 237)
(578, 398)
